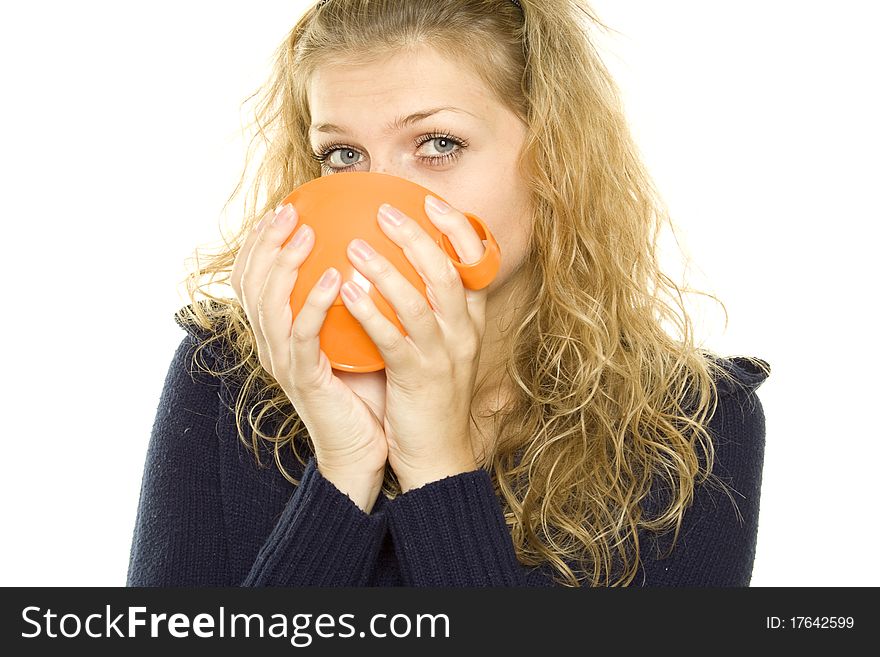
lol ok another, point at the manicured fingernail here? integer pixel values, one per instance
(300, 236)
(352, 291)
(362, 250)
(328, 278)
(285, 213)
(390, 214)
(436, 204)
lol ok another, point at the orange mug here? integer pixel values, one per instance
(344, 206)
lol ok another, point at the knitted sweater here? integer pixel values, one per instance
(208, 515)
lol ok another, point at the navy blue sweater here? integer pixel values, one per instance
(208, 515)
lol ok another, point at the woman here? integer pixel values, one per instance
(569, 439)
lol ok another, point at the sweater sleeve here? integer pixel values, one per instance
(322, 538)
(452, 532)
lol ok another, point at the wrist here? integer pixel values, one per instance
(362, 488)
(416, 478)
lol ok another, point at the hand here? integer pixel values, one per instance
(430, 371)
(346, 429)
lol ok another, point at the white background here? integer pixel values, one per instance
(122, 140)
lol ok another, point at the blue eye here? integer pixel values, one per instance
(345, 151)
(444, 140)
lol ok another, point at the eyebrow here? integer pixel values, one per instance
(399, 122)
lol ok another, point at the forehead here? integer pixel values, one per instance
(379, 94)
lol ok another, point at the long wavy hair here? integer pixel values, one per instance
(607, 404)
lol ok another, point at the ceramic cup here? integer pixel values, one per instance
(344, 206)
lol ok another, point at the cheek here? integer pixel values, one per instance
(508, 216)
(512, 239)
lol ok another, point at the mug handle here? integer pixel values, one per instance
(479, 274)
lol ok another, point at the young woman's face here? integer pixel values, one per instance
(466, 154)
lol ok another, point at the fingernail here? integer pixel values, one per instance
(436, 204)
(352, 291)
(300, 236)
(362, 249)
(391, 214)
(285, 213)
(328, 278)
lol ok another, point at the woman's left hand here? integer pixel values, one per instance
(430, 372)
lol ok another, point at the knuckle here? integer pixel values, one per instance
(449, 277)
(297, 334)
(395, 344)
(410, 234)
(469, 347)
(417, 308)
(382, 270)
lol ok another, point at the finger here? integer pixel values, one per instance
(305, 347)
(241, 256)
(416, 315)
(442, 281)
(468, 246)
(398, 351)
(268, 242)
(236, 281)
(277, 322)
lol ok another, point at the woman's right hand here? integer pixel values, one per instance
(346, 428)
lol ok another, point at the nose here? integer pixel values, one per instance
(380, 168)
(393, 163)
(399, 171)
(389, 163)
